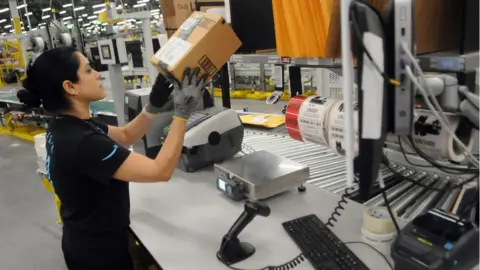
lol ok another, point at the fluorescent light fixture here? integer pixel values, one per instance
(11, 31)
(92, 17)
(46, 17)
(4, 10)
(85, 15)
(21, 6)
(80, 19)
(3, 20)
(119, 7)
(7, 26)
(155, 10)
(42, 27)
(34, 29)
(139, 5)
(67, 18)
(63, 12)
(79, 8)
(143, 1)
(139, 22)
(67, 5)
(99, 5)
(28, 14)
(46, 9)
(98, 11)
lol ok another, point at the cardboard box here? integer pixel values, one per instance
(175, 12)
(204, 40)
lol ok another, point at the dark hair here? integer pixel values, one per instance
(45, 77)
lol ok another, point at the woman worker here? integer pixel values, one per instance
(87, 163)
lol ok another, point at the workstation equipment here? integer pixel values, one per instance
(379, 176)
(213, 134)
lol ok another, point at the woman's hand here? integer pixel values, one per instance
(159, 99)
(188, 94)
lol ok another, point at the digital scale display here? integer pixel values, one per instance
(221, 184)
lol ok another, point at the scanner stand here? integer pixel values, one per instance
(232, 250)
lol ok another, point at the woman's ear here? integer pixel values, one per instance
(70, 88)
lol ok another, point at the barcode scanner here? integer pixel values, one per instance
(232, 250)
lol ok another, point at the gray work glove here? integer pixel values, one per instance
(188, 93)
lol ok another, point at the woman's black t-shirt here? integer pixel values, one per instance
(81, 161)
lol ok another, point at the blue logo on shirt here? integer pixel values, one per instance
(50, 145)
(115, 148)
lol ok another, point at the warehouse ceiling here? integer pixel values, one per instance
(38, 11)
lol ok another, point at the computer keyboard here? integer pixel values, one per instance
(320, 245)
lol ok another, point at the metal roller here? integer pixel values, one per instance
(326, 180)
(402, 202)
(328, 171)
(335, 185)
(448, 199)
(326, 177)
(395, 191)
(340, 189)
(424, 202)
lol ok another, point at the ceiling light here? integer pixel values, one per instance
(63, 12)
(46, 9)
(34, 29)
(155, 10)
(21, 6)
(98, 11)
(84, 15)
(7, 26)
(4, 10)
(67, 18)
(97, 6)
(139, 5)
(67, 5)
(143, 1)
(28, 14)
(11, 31)
(79, 8)
(3, 20)
(42, 27)
(91, 17)
(46, 17)
(119, 7)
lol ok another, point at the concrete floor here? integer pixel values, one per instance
(29, 235)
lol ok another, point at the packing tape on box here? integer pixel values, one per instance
(377, 226)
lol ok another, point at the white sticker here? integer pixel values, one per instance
(173, 51)
(189, 23)
(372, 86)
(277, 76)
(260, 119)
(126, 99)
(221, 184)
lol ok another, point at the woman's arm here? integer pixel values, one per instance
(186, 97)
(139, 168)
(132, 131)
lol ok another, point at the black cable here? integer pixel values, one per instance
(376, 250)
(406, 158)
(386, 162)
(389, 208)
(336, 212)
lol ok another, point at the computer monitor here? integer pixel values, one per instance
(383, 107)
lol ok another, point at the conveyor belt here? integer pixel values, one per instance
(101, 106)
(328, 171)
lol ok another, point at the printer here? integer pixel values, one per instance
(212, 134)
(436, 240)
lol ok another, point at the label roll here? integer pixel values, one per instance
(319, 120)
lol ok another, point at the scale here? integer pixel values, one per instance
(259, 175)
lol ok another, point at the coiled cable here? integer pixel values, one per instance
(340, 207)
(286, 266)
